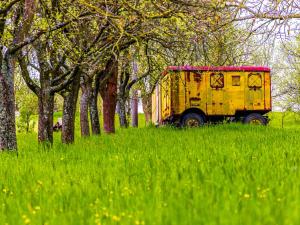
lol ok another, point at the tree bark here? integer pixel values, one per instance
(134, 100)
(122, 112)
(68, 120)
(147, 107)
(134, 109)
(122, 98)
(69, 111)
(8, 139)
(94, 113)
(84, 109)
(108, 93)
(46, 106)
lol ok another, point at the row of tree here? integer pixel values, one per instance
(113, 48)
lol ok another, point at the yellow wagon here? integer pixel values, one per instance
(193, 95)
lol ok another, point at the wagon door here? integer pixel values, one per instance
(166, 97)
(215, 94)
(235, 92)
(254, 93)
(195, 93)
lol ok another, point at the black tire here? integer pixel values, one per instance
(192, 120)
(255, 118)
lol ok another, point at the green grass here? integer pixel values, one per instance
(290, 120)
(227, 174)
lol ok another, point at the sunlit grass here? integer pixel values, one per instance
(227, 174)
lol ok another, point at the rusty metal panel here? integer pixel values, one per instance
(254, 91)
(182, 92)
(175, 93)
(215, 93)
(268, 97)
(234, 92)
(191, 88)
(166, 97)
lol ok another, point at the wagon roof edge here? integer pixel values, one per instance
(219, 68)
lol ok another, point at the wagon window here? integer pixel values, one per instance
(236, 80)
(217, 80)
(254, 80)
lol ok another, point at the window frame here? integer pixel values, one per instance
(222, 77)
(235, 84)
(260, 77)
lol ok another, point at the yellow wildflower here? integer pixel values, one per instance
(116, 218)
(246, 196)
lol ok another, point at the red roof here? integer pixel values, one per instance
(219, 68)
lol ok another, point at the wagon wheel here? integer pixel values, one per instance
(192, 120)
(255, 119)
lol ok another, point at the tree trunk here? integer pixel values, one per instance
(94, 113)
(134, 109)
(147, 107)
(122, 112)
(8, 139)
(93, 107)
(128, 110)
(69, 111)
(46, 106)
(84, 109)
(68, 119)
(108, 93)
(134, 101)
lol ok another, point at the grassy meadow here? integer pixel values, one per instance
(226, 174)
